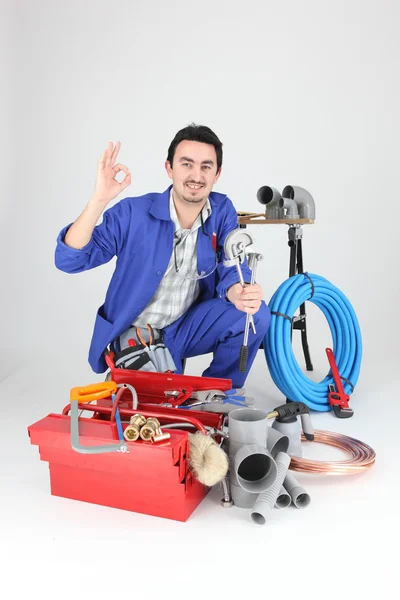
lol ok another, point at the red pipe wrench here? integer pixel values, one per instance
(338, 398)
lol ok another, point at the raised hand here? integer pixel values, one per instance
(107, 187)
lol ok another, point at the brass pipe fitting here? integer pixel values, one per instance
(150, 429)
(160, 437)
(132, 432)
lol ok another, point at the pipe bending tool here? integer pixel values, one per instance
(236, 246)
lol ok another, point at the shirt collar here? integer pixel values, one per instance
(206, 212)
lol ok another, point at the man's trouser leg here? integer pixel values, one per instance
(216, 326)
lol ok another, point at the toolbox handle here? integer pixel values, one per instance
(94, 391)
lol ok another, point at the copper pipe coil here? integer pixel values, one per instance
(362, 456)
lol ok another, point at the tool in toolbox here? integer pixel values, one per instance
(338, 398)
(168, 389)
(236, 245)
(89, 393)
(218, 401)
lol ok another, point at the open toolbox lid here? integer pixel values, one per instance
(151, 387)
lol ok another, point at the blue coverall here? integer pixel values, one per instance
(140, 233)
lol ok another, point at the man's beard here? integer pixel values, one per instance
(193, 200)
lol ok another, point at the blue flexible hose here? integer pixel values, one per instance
(346, 337)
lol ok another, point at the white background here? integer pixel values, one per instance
(302, 93)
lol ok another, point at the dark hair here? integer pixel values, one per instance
(196, 133)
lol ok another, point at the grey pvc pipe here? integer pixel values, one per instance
(304, 200)
(284, 499)
(298, 494)
(266, 501)
(291, 207)
(248, 426)
(293, 432)
(253, 468)
(270, 197)
(251, 465)
(276, 441)
(267, 194)
(241, 498)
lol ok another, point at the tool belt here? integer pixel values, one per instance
(142, 349)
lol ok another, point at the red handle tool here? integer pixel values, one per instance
(338, 398)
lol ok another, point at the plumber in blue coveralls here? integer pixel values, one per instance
(170, 286)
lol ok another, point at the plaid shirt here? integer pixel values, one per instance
(177, 291)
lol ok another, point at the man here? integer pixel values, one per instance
(169, 271)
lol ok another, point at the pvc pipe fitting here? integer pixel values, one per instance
(270, 197)
(251, 465)
(267, 500)
(248, 426)
(253, 468)
(304, 200)
(298, 494)
(241, 498)
(267, 194)
(276, 441)
(293, 432)
(291, 208)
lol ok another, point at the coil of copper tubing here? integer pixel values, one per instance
(362, 456)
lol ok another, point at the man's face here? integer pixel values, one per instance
(193, 171)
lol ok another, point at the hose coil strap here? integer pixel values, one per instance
(345, 331)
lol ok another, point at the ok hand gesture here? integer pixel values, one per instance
(107, 187)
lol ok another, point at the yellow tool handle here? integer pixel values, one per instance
(94, 391)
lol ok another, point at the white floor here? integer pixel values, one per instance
(344, 544)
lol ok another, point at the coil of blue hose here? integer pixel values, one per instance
(345, 331)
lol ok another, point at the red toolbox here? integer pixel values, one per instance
(153, 479)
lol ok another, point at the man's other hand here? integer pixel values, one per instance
(247, 299)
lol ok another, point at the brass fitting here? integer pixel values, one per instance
(132, 432)
(150, 429)
(161, 437)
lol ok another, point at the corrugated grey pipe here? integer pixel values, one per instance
(266, 501)
(284, 499)
(298, 494)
